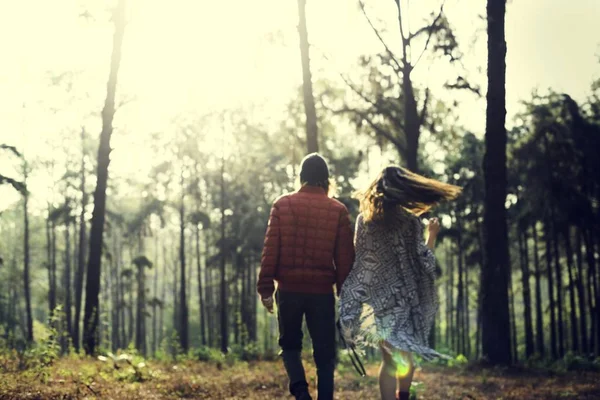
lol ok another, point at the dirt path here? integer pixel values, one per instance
(77, 379)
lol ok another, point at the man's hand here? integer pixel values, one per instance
(268, 303)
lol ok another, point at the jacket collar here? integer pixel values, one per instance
(312, 189)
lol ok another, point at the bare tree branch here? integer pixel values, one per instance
(378, 107)
(12, 149)
(378, 129)
(462, 83)
(430, 29)
(398, 67)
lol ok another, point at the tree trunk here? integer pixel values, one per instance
(312, 143)
(210, 318)
(223, 302)
(67, 276)
(163, 298)
(140, 335)
(183, 310)
(412, 120)
(592, 291)
(553, 344)
(460, 299)
(131, 329)
(467, 319)
(80, 272)
(559, 290)
(523, 249)
(539, 316)
(581, 294)
(513, 322)
(496, 271)
(253, 299)
(176, 325)
(91, 317)
(451, 300)
(114, 286)
(200, 289)
(573, 313)
(155, 295)
(26, 262)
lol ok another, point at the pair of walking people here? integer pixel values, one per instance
(386, 264)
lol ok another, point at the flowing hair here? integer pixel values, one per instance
(398, 188)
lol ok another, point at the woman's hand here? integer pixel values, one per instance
(433, 227)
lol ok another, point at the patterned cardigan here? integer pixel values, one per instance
(394, 276)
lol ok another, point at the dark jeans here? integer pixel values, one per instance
(319, 310)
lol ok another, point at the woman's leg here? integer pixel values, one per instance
(405, 372)
(387, 375)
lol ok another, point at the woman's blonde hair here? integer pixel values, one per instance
(396, 187)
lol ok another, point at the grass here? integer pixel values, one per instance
(85, 378)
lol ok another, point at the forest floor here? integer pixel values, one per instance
(71, 378)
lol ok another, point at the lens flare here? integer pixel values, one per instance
(402, 365)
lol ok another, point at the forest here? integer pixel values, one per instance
(143, 143)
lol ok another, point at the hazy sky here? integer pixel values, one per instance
(190, 56)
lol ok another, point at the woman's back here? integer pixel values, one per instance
(394, 274)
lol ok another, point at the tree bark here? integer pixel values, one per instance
(114, 286)
(581, 294)
(223, 302)
(460, 299)
(200, 288)
(26, 261)
(80, 272)
(513, 322)
(523, 249)
(154, 305)
(553, 343)
(67, 276)
(140, 335)
(312, 143)
(559, 290)
(183, 310)
(573, 313)
(496, 271)
(539, 320)
(91, 317)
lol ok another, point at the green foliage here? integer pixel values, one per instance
(127, 367)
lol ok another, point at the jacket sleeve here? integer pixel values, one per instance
(344, 250)
(270, 255)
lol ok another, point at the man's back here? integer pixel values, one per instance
(308, 245)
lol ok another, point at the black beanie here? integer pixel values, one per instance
(314, 170)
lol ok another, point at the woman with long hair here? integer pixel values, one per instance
(394, 274)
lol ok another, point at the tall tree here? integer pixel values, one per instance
(183, 310)
(223, 300)
(539, 316)
(312, 143)
(91, 313)
(80, 272)
(391, 102)
(495, 273)
(524, 263)
(141, 262)
(26, 257)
